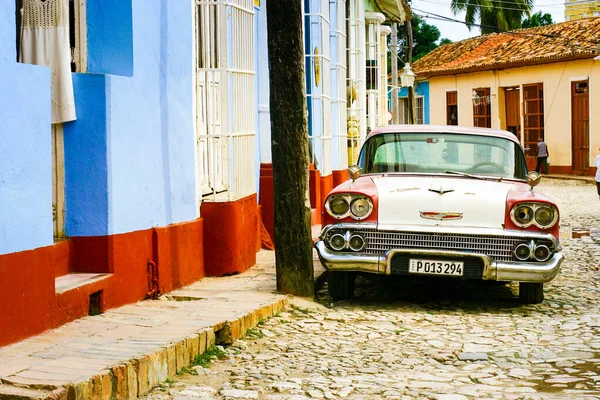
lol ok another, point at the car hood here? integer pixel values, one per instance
(443, 202)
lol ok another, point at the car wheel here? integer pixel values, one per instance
(341, 284)
(531, 292)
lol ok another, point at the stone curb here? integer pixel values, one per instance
(587, 179)
(136, 377)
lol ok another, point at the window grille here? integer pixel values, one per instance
(355, 84)
(373, 67)
(382, 114)
(338, 83)
(452, 108)
(318, 59)
(419, 110)
(225, 110)
(482, 108)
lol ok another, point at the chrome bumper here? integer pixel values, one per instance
(494, 271)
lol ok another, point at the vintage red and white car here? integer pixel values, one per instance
(442, 201)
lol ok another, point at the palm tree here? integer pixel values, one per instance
(494, 16)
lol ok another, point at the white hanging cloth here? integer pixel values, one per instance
(45, 41)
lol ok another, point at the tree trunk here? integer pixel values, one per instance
(289, 148)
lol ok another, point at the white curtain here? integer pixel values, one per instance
(45, 41)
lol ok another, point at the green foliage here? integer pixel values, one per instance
(425, 39)
(538, 19)
(204, 360)
(254, 333)
(492, 16)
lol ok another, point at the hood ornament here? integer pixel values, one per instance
(441, 190)
(533, 179)
(440, 215)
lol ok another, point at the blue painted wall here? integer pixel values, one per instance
(86, 187)
(129, 157)
(150, 131)
(25, 146)
(109, 36)
(421, 89)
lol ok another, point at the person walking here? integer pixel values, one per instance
(542, 157)
(597, 166)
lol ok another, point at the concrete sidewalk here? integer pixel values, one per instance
(584, 178)
(126, 351)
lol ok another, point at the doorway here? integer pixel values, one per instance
(580, 127)
(512, 98)
(533, 116)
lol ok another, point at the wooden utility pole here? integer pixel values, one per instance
(289, 148)
(394, 60)
(411, 89)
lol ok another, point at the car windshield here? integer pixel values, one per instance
(443, 153)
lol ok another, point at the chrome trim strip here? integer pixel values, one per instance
(433, 229)
(542, 272)
(499, 271)
(441, 215)
(364, 225)
(333, 261)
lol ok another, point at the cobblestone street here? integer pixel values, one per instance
(427, 339)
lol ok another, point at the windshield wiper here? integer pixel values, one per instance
(482, 177)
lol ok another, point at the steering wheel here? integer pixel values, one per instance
(497, 167)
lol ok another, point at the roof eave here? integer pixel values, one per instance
(395, 10)
(506, 65)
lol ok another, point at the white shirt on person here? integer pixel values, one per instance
(542, 149)
(597, 165)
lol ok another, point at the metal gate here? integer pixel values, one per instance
(225, 106)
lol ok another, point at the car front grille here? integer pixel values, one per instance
(497, 247)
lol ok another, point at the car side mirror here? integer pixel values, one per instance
(533, 179)
(354, 172)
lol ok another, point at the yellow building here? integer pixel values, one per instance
(539, 82)
(577, 9)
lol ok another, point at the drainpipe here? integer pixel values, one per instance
(152, 269)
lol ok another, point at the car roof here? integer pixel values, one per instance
(421, 128)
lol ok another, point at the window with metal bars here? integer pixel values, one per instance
(533, 115)
(452, 108)
(482, 108)
(419, 110)
(224, 90)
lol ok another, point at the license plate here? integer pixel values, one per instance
(435, 267)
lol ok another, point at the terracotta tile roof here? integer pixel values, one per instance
(558, 42)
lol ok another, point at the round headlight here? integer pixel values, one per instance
(545, 215)
(523, 214)
(356, 243)
(337, 242)
(522, 251)
(338, 206)
(360, 207)
(541, 253)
